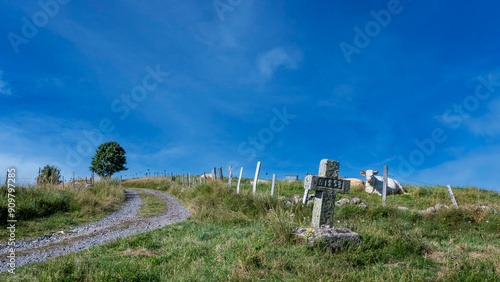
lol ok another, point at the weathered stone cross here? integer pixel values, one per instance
(326, 184)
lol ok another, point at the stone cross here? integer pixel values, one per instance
(326, 184)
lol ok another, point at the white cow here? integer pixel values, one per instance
(375, 184)
(205, 177)
(260, 181)
(356, 182)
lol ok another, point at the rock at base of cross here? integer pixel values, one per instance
(334, 237)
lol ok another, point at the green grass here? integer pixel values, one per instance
(151, 205)
(158, 183)
(247, 237)
(44, 210)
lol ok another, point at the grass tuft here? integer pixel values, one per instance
(151, 205)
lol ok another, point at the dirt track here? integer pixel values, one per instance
(121, 223)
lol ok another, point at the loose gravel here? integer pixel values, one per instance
(121, 223)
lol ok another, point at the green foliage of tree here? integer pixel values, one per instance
(50, 175)
(109, 158)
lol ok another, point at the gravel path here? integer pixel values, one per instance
(121, 223)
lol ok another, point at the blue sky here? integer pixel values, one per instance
(188, 85)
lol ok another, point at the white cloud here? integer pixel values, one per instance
(270, 61)
(169, 153)
(32, 141)
(478, 168)
(340, 97)
(27, 167)
(4, 86)
(163, 154)
(486, 124)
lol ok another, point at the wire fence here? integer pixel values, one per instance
(79, 181)
(28, 182)
(33, 181)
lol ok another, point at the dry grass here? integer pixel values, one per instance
(139, 253)
(458, 255)
(160, 183)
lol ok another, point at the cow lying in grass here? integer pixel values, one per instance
(355, 182)
(260, 181)
(205, 177)
(375, 184)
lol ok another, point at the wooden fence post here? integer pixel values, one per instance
(63, 182)
(39, 179)
(6, 178)
(230, 180)
(452, 196)
(272, 186)
(73, 180)
(220, 174)
(256, 178)
(239, 181)
(213, 175)
(384, 190)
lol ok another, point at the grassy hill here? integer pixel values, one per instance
(248, 237)
(45, 209)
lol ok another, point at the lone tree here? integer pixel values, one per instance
(50, 175)
(109, 158)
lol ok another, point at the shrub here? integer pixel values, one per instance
(50, 175)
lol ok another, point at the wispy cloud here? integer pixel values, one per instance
(341, 96)
(34, 140)
(26, 167)
(477, 168)
(486, 124)
(172, 152)
(4, 86)
(270, 61)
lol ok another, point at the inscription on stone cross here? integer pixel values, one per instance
(326, 184)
